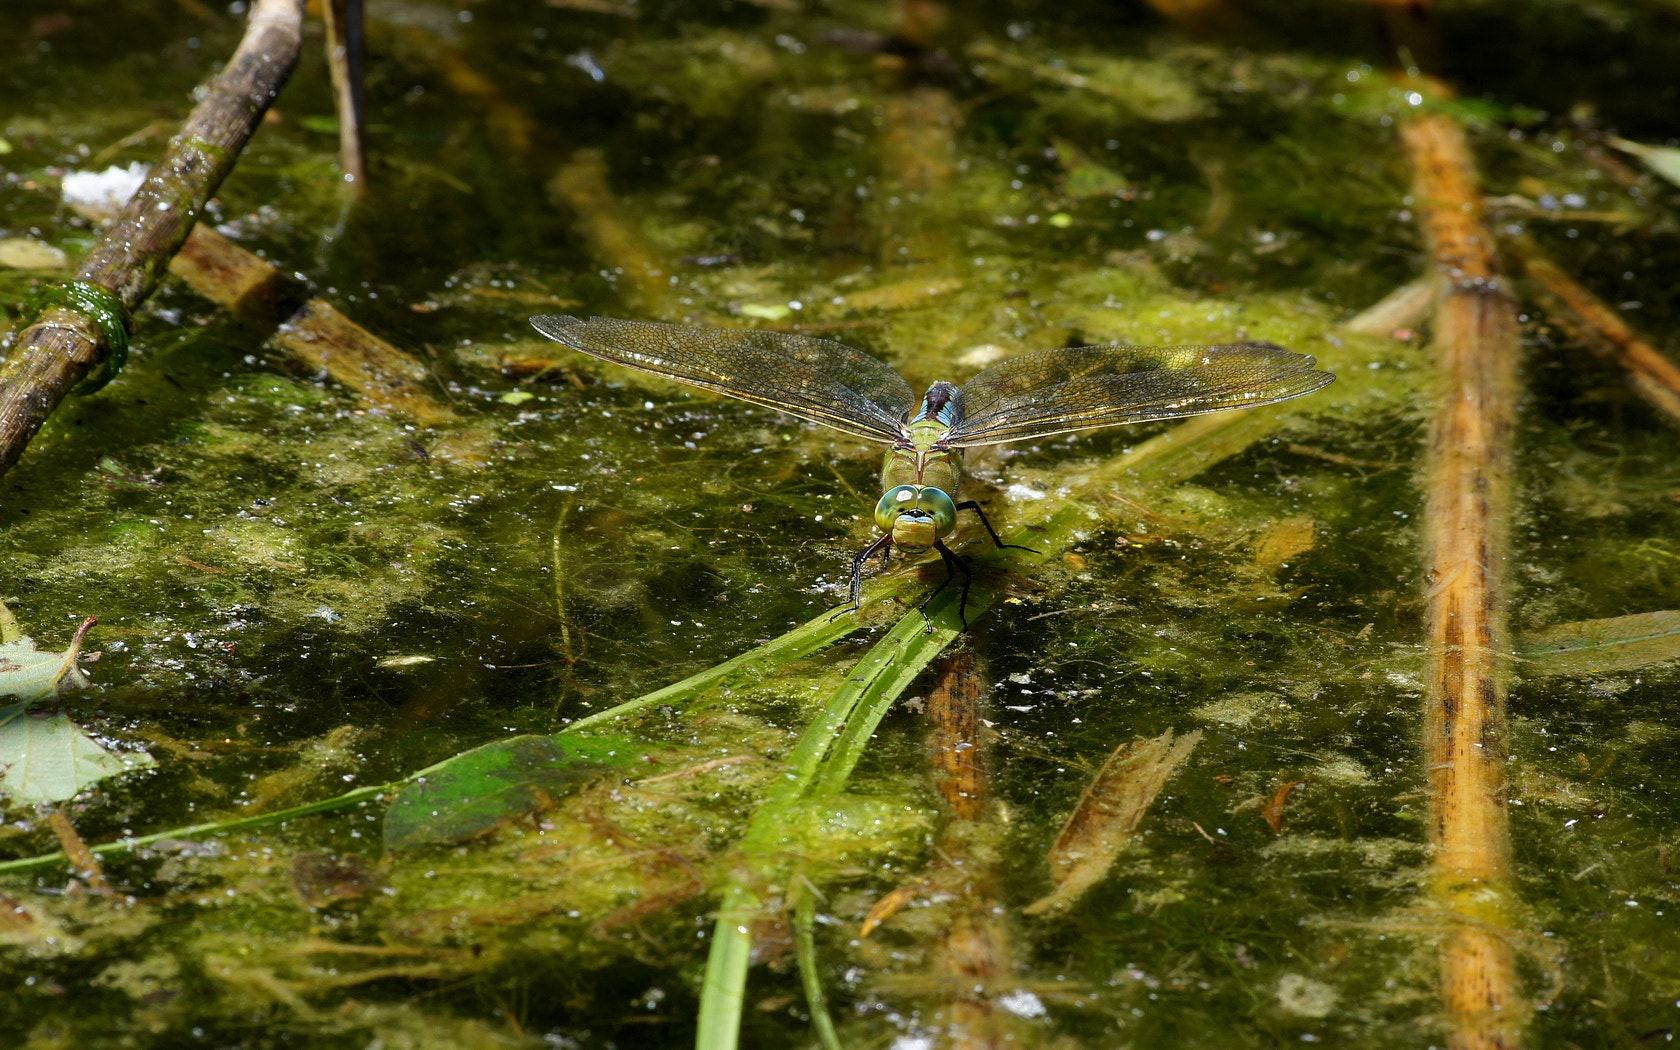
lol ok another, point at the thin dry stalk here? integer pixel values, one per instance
(1406, 306)
(82, 860)
(64, 345)
(1598, 327)
(976, 947)
(344, 20)
(1467, 530)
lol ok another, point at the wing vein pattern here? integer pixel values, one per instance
(817, 379)
(1081, 388)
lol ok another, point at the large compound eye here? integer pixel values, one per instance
(896, 501)
(943, 509)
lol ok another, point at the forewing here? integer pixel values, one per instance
(1081, 388)
(817, 379)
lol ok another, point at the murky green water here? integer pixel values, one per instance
(300, 594)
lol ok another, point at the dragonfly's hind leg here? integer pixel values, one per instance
(884, 545)
(969, 504)
(953, 565)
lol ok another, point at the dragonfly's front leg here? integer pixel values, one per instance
(884, 545)
(953, 565)
(969, 504)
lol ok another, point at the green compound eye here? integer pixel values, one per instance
(894, 501)
(928, 502)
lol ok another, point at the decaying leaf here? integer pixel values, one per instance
(1083, 177)
(482, 789)
(324, 879)
(23, 253)
(888, 906)
(1619, 643)
(1108, 813)
(48, 758)
(30, 675)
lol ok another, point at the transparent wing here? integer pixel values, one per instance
(817, 379)
(1081, 388)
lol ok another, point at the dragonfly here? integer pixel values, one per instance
(1035, 395)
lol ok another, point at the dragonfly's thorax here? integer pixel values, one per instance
(917, 516)
(921, 456)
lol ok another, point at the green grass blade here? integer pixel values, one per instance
(818, 633)
(723, 991)
(805, 947)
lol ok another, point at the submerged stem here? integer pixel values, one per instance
(805, 947)
(1466, 538)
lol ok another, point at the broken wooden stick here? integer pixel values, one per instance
(313, 331)
(80, 328)
(1466, 536)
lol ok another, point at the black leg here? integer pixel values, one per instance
(953, 565)
(969, 504)
(884, 545)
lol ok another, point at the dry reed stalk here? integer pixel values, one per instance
(954, 746)
(1406, 306)
(82, 860)
(1466, 535)
(1596, 325)
(972, 962)
(344, 20)
(65, 344)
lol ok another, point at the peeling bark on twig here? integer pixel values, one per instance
(1467, 527)
(976, 951)
(62, 347)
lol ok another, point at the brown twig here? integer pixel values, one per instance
(65, 344)
(1596, 325)
(1467, 529)
(344, 20)
(82, 861)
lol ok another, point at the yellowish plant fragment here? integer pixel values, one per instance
(1109, 811)
(1283, 542)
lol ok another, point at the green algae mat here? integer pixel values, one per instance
(514, 711)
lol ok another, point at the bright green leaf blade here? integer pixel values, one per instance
(50, 758)
(479, 790)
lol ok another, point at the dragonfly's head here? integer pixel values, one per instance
(916, 515)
